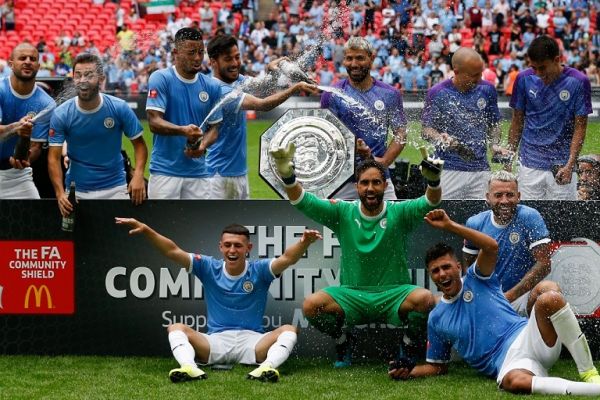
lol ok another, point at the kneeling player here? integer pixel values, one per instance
(475, 318)
(236, 294)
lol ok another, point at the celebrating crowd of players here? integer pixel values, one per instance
(199, 152)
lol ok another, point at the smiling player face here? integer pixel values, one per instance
(234, 249)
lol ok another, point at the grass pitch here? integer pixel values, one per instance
(75, 377)
(260, 190)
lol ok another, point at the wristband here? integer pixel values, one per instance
(434, 184)
(289, 181)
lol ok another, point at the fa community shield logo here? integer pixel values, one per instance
(31, 114)
(248, 286)
(514, 237)
(564, 95)
(379, 106)
(203, 96)
(109, 122)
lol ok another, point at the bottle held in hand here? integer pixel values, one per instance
(22, 149)
(68, 222)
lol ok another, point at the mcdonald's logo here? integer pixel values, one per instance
(37, 293)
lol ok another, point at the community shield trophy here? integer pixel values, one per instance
(324, 158)
(576, 268)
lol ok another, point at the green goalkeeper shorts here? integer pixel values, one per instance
(364, 306)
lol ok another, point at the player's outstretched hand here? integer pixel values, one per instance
(311, 236)
(284, 159)
(306, 87)
(431, 167)
(438, 219)
(400, 369)
(135, 225)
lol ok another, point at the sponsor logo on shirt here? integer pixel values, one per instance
(564, 95)
(514, 237)
(109, 122)
(379, 106)
(203, 96)
(152, 94)
(248, 286)
(481, 103)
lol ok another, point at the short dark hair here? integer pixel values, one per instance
(436, 251)
(220, 45)
(188, 34)
(543, 48)
(236, 229)
(88, 58)
(365, 165)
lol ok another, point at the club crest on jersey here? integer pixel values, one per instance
(564, 95)
(379, 106)
(481, 103)
(109, 122)
(468, 296)
(203, 96)
(514, 237)
(383, 223)
(248, 286)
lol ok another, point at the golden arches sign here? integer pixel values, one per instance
(37, 294)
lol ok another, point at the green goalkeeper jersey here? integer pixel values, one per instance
(373, 248)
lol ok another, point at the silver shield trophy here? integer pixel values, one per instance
(324, 158)
(576, 268)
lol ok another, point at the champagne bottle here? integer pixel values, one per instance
(22, 148)
(68, 222)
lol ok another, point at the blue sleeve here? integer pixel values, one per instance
(438, 349)
(430, 110)
(517, 100)
(42, 123)
(57, 133)
(131, 125)
(583, 103)
(468, 246)
(537, 229)
(157, 92)
(399, 119)
(201, 266)
(215, 95)
(234, 106)
(264, 269)
(493, 110)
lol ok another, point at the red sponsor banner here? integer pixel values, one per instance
(37, 277)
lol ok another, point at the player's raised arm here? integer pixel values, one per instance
(292, 254)
(486, 260)
(284, 161)
(165, 245)
(431, 169)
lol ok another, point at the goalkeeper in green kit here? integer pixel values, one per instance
(373, 235)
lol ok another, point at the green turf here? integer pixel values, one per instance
(70, 377)
(260, 190)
